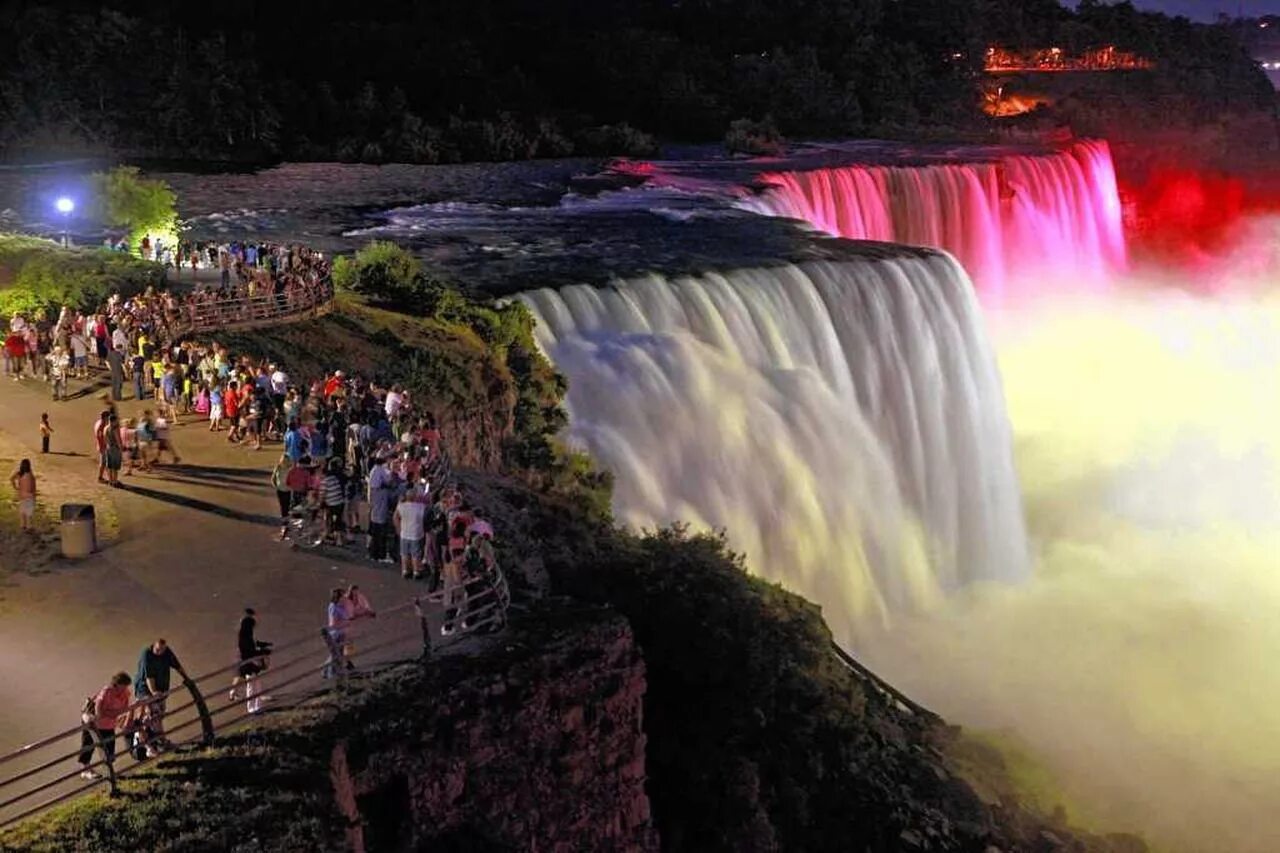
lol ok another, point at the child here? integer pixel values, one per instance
(25, 483)
(45, 431)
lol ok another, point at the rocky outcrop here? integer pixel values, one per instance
(541, 749)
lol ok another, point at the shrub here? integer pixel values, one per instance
(383, 271)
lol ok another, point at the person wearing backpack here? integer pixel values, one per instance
(100, 716)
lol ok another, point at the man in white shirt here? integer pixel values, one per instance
(395, 399)
(409, 521)
(279, 382)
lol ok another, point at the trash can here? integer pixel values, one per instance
(79, 530)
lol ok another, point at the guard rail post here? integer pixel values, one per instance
(202, 709)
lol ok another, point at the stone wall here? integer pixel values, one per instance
(542, 752)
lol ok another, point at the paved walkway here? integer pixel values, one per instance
(196, 544)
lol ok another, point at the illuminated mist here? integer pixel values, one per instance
(1140, 664)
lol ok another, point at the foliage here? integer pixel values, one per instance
(753, 137)
(122, 198)
(508, 79)
(275, 796)
(383, 271)
(40, 276)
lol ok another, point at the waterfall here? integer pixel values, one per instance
(842, 420)
(1020, 224)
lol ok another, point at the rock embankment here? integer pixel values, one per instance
(541, 747)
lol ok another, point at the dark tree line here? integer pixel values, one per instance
(433, 81)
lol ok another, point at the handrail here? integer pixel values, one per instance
(204, 716)
(474, 610)
(196, 316)
(885, 688)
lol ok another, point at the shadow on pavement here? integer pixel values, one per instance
(202, 506)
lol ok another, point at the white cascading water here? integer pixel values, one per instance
(843, 421)
(1022, 225)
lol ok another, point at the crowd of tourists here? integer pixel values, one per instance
(358, 459)
(257, 282)
(362, 458)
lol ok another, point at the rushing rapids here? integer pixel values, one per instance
(1022, 225)
(842, 420)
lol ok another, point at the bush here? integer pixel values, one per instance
(384, 272)
(753, 137)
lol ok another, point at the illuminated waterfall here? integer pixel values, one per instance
(1020, 224)
(843, 421)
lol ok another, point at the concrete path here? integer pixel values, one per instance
(196, 544)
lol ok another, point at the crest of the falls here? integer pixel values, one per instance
(842, 420)
(1020, 224)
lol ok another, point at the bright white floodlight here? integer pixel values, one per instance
(65, 205)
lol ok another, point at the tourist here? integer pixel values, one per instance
(115, 360)
(408, 519)
(15, 348)
(101, 339)
(100, 443)
(129, 441)
(138, 365)
(254, 660)
(24, 483)
(79, 355)
(333, 496)
(215, 407)
(337, 619)
(46, 432)
(164, 439)
(284, 496)
(355, 502)
(114, 451)
(358, 606)
(382, 487)
(156, 663)
(102, 714)
(59, 365)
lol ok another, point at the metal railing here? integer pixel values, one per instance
(887, 691)
(213, 314)
(305, 666)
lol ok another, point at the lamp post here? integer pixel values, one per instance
(65, 206)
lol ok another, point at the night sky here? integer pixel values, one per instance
(1207, 10)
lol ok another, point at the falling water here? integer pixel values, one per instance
(842, 420)
(1021, 225)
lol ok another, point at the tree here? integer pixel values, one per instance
(122, 198)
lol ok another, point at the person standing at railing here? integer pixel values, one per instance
(101, 715)
(254, 659)
(156, 664)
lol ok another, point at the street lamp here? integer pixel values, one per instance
(65, 206)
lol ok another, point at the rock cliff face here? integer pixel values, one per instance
(545, 752)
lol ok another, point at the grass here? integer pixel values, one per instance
(34, 553)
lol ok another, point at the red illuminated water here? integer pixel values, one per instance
(1020, 224)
